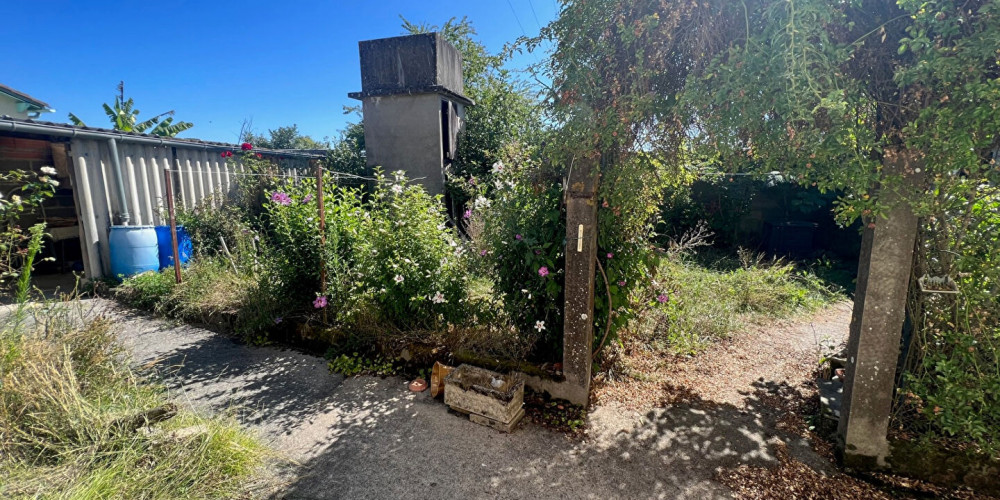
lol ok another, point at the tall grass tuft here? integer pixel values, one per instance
(69, 402)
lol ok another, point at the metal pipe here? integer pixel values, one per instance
(116, 170)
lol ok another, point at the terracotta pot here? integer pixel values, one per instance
(438, 373)
(418, 385)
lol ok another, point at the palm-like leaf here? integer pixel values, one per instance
(76, 120)
(125, 117)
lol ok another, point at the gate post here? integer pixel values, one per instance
(581, 258)
(877, 321)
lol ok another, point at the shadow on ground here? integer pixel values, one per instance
(368, 437)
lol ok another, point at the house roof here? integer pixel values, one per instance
(67, 130)
(21, 96)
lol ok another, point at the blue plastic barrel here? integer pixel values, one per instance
(133, 250)
(166, 251)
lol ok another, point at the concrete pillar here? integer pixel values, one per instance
(877, 321)
(413, 105)
(581, 258)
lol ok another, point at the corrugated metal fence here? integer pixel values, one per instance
(199, 173)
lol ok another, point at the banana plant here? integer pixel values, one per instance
(125, 117)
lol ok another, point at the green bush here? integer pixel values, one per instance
(519, 242)
(697, 304)
(951, 386)
(408, 264)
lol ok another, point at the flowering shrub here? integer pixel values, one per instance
(408, 263)
(522, 248)
(297, 248)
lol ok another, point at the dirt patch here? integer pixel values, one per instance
(787, 351)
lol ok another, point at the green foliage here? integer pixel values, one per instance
(409, 263)
(953, 367)
(348, 153)
(356, 364)
(707, 303)
(504, 113)
(67, 388)
(23, 192)
(284, 138)
(124, 117)
(518, 234)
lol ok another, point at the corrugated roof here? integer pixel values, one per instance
(17, 94)
(174, 140)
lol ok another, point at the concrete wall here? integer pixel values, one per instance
(409, 63)
(404, 133)
(8, 106)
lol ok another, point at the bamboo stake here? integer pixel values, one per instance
(173, 224)
(322, 231)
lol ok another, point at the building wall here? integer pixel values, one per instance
(8, 106)
(403, 132)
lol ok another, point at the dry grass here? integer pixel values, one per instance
(68, 388)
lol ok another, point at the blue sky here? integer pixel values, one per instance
(216, 63)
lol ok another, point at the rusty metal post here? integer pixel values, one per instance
(581, 258)
(173, 223)
(322, 231)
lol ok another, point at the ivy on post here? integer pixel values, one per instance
(581, 258)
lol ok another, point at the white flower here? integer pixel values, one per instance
(539, 325)
(15, 199)
(481, 202)
(54, 182)
(583, 316)
(498, 166)
(48, 170)
(438, 298)
(398, 278)
(397, 189)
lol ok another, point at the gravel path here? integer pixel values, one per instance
(368, 437)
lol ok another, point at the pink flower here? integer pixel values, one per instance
(538, 252)
(662, 298)
(610, 255)
(259, 155)
(320, 302)
(468, 213)
(543, 271)
(223, 154)
(621, 283)
(281, 198)
(246, 146)
(517, 237)
(483, 253)
(307, 198)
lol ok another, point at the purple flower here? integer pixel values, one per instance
(517, 237)
(538, 252)
(662, 298)
(621, 283)
(468, 213)
(308, 198)
(483, 253)
(610, 255)
(320, 302)
(281, 198)
(543, 271)
(278, 320)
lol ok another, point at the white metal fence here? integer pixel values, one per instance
(198, 173)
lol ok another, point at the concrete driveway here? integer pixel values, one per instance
(369, 437)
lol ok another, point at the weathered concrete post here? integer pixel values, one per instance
(877, 321)
(581, 257)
